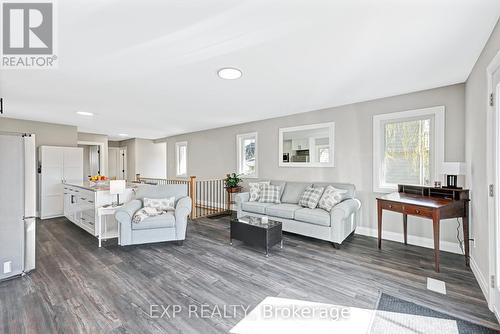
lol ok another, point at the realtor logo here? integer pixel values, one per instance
(28, 35)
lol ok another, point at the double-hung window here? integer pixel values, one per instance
(408, 148)
(247, 154)
(181, 159)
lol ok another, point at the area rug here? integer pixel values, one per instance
(395, 315)
(392, 315)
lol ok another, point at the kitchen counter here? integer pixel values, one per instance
(92, 186)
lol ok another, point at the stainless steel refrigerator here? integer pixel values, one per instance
(17, 204)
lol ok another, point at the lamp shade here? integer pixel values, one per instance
(454, 168)
(117, 187)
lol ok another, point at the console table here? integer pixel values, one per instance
(427, 202)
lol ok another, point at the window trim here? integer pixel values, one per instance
(178, 145)
(331, 139)
(239, 139)
(437, 112)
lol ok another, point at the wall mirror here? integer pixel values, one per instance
(307, 145)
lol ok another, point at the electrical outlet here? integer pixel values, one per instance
(7, 267)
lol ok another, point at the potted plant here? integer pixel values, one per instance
(232, 182)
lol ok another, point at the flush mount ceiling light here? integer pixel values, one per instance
(123, 135)
(229, 73)
(84, 113)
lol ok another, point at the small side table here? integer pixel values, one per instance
(106, 211)
(230, 195)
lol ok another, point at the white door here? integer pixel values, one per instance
(72, 163)
(11, 204)
(113, 162)
(122, 165)
(51, 204)
(494, 201)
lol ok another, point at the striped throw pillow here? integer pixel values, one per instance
(310, 197)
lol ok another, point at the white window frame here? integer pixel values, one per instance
(178, 145)
(239, 154)
(331, 141)
(437, 112)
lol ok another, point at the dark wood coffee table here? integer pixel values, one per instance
(252, 231)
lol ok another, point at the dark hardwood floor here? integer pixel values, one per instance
(80, 288)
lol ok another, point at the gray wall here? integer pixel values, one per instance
(212, 153)
(46, 133)
(476, 117)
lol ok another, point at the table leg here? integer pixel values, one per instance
(379, 209)
(465, 225)
(405, 227)
(436, 216)
(99, 217)
(105, 228)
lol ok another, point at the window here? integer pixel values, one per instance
(247, 154)
(324, 153)
(181, 159)
(408, 148)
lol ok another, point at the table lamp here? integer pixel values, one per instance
(117, 187)
(452, 170)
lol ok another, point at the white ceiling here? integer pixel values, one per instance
(148, 68)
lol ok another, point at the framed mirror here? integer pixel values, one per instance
(307, 145)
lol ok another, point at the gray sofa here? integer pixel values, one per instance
(168, 227)
(334, 226)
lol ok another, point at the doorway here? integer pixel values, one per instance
(493, 168)
(117, 163)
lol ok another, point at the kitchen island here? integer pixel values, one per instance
(82, 201)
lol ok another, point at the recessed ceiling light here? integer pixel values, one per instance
(84, 113)
(229, 73)
(123, 135)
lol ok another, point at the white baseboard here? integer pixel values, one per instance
(481, 280)
(446, 246)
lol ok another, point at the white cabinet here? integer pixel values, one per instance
(80, 207)
(300, 144)
(58, 165)
(81, 204)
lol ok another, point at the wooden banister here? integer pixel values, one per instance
(192, 194)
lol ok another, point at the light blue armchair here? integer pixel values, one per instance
(167, 227)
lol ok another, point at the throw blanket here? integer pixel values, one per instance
(146, 212)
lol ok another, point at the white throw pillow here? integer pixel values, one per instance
(331, 197)
(310, 197)
(161, 204)
(255, 188)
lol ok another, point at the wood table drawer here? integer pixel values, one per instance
(417, 211)
(392, 206)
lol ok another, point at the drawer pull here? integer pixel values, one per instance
(390, 206)
(417, 211)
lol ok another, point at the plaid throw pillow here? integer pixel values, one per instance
(255, 188)
(331, 197)
(310, 197)
(270, 194)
